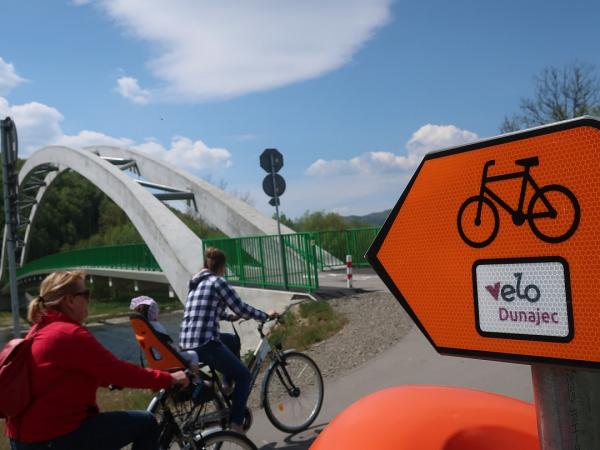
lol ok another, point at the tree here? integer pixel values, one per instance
(320, 221)
(560, 94)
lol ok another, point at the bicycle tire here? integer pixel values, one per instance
(531, 217)
(280, 403)
(459, 220)
(224, 440)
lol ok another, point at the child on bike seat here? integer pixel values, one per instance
(147, 307)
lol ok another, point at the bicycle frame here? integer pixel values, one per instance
(264, 350)
(518, 214)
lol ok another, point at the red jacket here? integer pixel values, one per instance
(68, 366)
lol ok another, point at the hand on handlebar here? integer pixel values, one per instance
(180, 378)
(272, 314)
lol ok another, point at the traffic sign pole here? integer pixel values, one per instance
(568, 407)
(281, 246)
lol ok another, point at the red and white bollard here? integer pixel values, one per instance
(349, 271)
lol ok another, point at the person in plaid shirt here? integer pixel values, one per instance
(209, 298)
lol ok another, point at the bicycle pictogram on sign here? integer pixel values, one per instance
(552, 213)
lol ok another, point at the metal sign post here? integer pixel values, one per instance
(568, 407)
(271, 160)
(276, 201)
(9, 160)
(492, 251)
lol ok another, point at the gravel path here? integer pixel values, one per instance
(375, 322)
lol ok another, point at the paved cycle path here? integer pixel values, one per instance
(411, 361)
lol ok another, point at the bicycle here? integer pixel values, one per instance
(553, 201)
(292, 388)
(178, 425)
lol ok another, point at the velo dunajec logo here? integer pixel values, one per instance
(523, 298)
(552, 211)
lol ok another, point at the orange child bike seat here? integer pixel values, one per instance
(159, 354)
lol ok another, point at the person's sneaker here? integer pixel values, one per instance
(237, 428)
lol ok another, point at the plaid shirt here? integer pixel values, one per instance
(206, 304)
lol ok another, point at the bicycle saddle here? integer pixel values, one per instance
(528, 162)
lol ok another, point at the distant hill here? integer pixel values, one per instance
(375, 219)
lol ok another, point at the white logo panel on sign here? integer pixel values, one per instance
(523, 299)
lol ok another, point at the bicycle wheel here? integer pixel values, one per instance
(480, 234)
(553, 213)
(224, 440)
(293, 392)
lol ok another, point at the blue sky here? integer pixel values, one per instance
(352, 92)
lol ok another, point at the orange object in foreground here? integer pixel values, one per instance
(432, 418)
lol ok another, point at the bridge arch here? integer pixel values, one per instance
(176, 248)
(224, 211)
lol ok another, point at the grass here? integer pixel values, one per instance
(124, 399)
(307, 324)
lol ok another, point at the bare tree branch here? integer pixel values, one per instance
(560, 94)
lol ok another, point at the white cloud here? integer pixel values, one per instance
(208, 51)
(87, 138)
(129, 88)
(38, 125)
(367, 163)
(428, 137)
(435, 137)
(8, 77)
(194, 156)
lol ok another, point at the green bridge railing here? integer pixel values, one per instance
(129, 256)
(333, 246)
(289, 260)
(292, 260)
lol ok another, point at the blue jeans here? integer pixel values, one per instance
(224, 356)
(105, 431)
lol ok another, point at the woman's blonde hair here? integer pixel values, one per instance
(52, 290)
(214, 259)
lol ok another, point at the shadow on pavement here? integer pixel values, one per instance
(298, 441)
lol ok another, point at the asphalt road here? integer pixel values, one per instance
(412, 361)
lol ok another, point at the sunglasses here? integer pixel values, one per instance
(85, 294)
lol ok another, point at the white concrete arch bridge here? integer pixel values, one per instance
(175, 247)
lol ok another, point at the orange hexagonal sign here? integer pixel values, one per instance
(493, 246)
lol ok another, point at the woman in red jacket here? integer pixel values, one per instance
(67, 367)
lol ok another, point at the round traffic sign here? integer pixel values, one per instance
(270, 188)
(271, 160)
